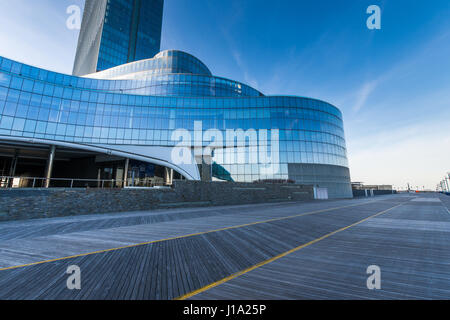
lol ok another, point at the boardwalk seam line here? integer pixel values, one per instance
(240, 273)
(446, 208)
(186, 236)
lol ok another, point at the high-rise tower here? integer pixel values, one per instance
(115, 32)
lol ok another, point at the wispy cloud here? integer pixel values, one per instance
(227, 30)
(244, 69)
(363, 94)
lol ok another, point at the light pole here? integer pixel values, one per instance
(447, 180)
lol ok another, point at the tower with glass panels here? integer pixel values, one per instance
(115, 32)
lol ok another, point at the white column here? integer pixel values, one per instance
(12, 169)
(125, 172)
(50, 162)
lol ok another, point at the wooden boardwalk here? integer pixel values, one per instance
(410, 244)
(171, 253)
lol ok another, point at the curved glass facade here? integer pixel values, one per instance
(171, 73)
(165, 62)
(35, 103)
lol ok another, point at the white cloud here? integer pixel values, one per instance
(417, 154)
(363, 94)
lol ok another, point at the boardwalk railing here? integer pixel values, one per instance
(39, 182)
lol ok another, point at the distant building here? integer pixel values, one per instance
(362, 186)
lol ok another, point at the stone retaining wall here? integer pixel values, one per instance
(21, 204)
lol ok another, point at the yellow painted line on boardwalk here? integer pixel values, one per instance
(186, 236)
(238, 274)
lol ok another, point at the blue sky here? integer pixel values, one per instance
(392, 85)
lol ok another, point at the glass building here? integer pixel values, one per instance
(144, 110)
(115, 32)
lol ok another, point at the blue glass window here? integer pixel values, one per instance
(61, 129)
(6, 122)
(13, 95)
(30, 125)
(22, 111)
(36, 100)
(58, 92)
(10, 109)
(19, 124)
(3, 93)
(6, 64)
(16, 83)
(48, 89)
(51, 128)
(33, 112)
(4, 79)
(43, 114)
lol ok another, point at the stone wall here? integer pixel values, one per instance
(21, 204)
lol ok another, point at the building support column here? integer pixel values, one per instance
(168, 176)
(12, 169)
(99, 177)
(50, 162)
(125, 173)
(204, 164)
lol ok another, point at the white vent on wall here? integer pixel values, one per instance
(320, 193)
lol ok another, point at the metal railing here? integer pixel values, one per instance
(39, 182)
